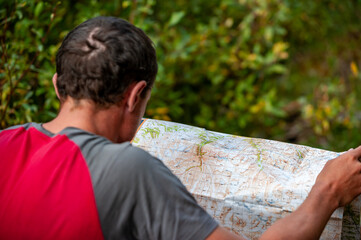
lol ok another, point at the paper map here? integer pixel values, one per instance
(246, 184)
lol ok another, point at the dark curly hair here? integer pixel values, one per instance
(101, 57)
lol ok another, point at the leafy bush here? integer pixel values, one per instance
(277, 69)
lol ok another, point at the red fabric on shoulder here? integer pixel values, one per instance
(45, 188)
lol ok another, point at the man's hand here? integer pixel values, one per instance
(341, 177)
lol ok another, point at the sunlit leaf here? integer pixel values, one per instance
(175, 18)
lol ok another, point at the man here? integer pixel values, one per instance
(78, 177)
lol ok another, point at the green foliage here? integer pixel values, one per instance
(25, 85)
(222, 69)
(277, 69)
(326, 59)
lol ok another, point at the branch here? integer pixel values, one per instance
(132, 12)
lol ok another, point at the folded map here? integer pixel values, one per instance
(246, 184)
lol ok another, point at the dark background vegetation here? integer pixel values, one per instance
(287, 70)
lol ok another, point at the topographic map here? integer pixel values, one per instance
(246, 184)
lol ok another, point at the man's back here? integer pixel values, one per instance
(76, 184)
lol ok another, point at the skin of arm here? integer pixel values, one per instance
(338, 184)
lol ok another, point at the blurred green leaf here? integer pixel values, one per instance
(175, 18)
(38, 9)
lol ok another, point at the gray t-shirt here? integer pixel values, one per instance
(136, 195)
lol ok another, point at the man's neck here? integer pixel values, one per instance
(84, 115)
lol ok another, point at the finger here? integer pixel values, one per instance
(357, 151)
(358, 185)
(358, 167)
(355, 187)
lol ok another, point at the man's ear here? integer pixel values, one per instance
(135, 92)
(55, 79)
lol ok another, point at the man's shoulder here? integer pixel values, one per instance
(102, 155)
(94, 146)
(128, 159)
(126, 156)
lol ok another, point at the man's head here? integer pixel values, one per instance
(101, 58)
